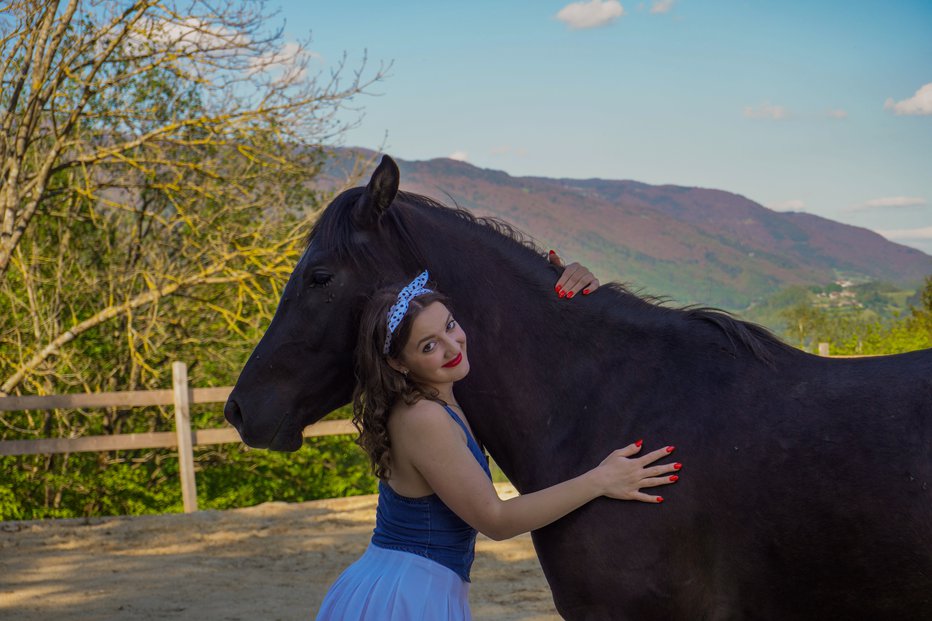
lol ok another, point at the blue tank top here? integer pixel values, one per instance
(425, 526)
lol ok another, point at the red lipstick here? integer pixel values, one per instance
(455, 361)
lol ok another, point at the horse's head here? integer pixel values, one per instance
(302, 367)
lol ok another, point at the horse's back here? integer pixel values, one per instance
(806, 495)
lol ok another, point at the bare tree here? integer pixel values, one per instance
(158, 170)
(181, 136)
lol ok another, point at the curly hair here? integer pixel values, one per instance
(378, 385)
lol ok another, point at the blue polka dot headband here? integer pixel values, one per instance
(400, 307)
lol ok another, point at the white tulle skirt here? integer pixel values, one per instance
(390, 585)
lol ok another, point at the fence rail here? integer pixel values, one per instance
(184, 438)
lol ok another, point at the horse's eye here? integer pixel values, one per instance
(321, 278)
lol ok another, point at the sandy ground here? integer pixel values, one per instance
(270, 562)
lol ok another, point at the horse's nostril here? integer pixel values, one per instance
(233, 415)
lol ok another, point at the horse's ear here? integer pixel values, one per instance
(379, 194)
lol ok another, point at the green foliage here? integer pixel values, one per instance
(173, 186)
(325, 467)
(143, 482)
(867, 328)
(877, 300)
(140, 482)
(11, 508)
(770, 311)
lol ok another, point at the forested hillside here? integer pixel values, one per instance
(693, 245)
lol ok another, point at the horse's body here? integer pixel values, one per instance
(807, 486)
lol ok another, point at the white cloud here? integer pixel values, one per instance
(895, 201)
(766, 111)
(187, 35)
(459, 156)
(581, 15)
(889, 202)
(661, 6)
(917, 234)
(794, 204)
(918, 104)
(837, 113)
(288, 62)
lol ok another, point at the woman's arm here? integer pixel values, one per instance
(430, 439)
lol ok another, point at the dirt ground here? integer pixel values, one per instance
(270, 562)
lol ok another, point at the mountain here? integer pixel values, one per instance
(694, 245)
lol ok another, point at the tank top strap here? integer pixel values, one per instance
(462, 425)
(474, 447)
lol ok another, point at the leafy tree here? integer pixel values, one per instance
(862, 331)
(923, 314)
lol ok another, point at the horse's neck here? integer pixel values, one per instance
(522, 346)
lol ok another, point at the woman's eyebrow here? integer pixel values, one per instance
(430, 336)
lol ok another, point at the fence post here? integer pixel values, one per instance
(183, 429)
(823, 349)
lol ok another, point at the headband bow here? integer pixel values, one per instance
(400, 307)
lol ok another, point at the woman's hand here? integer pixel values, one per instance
(622, 476)
(575, 278)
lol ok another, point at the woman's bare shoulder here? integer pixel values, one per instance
(422, 416)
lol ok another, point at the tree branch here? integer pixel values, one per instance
(55, 345)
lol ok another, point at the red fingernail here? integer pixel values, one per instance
(585, 292)
(659, 498)
(674, 478)
(558, 288)
(562, 293)
(570, 294)
(677, 466)
(670, 449)
(639, 443)
(552, 252)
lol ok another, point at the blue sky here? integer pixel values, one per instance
(811, 106)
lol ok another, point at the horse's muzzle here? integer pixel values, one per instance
(234, 416)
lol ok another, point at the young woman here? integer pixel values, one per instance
(435, 489)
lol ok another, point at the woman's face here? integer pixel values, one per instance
(436, 349)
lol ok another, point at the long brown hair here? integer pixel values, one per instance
(378, 385)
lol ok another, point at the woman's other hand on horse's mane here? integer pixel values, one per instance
(574, 279)
(622, 476)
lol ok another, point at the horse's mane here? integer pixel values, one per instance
(335, 232)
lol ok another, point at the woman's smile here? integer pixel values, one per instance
(455, 361)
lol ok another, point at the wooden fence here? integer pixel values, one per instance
(185, 438)
(181, 395)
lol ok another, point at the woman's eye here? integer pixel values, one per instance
(451, 325)
(428, 348)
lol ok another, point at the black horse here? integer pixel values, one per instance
(808, 481)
